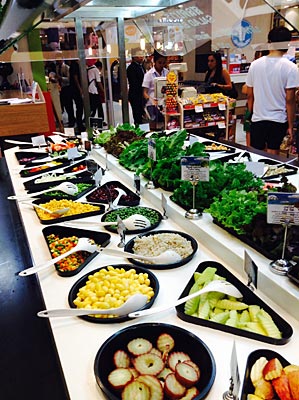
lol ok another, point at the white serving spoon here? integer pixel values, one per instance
(134, 222)
(115, 202)
(167, 257)
(66, 187)
(214, 286)
(135, 302)
(84, 244)
(60, 211)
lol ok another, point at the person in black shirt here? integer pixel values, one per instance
(135, 74)
(77, 94)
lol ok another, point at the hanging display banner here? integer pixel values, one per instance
(283, 208)
(195, 169)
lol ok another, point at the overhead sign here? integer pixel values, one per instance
(242, 33)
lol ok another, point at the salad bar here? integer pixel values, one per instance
(199, 333)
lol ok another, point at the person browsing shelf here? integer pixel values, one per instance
(217, 77)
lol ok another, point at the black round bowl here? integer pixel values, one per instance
(154, 283)
(129, 248)
(184, 341)
(153, 215)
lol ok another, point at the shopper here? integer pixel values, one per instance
(271, 84)
(63, 74)
(96, 90)
(77, 94)
(217, 77)
(135, 75)
(158, 70)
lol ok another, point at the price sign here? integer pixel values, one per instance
(283, 208)
(234, 370)
(38, 140)
(221, 106)
(198, 108)
(73, 153)
(251, 270)
(257, 168)
(151, 149)
(195, 168)
(192, 139)
(221, 124)
(69, 131)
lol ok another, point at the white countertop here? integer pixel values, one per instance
(78, 341)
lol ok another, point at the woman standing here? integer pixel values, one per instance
(217, 77)
(158, 70)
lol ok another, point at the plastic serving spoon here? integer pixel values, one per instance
(135, 221)
(66, 187)
(83, 244)
(116, 200)
(167, 257)
(214, 286)
(134, 302)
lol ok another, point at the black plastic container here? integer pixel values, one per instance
(129, 248)
(106, 192)
(249, 297)
(154, 283)
(227, 149)
(293, 274)
(154, 216)
(101, 239)
(59, 195)
(248, 387)
(184, 341)
(36, 171)
(25, 157)
(63, 218)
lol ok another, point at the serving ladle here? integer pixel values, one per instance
(134, 222)
(135, 302)
(66, 187)
(167, 257)
(59, 211)
(138, 300)
(84, 244)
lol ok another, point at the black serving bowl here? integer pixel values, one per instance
(184, 341)
(249, 297)
(109, 191)
(248, 387)
(129, 248)
(153, 215)
(154, 283)
(101, 239)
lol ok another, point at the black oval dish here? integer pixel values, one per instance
(134, 200)
(62, 218)
(26, 157)
(84, 177)
(227, 149)
(101, 239)
(129, 247)
(249, 297)
(293, 274)
(248, 387)
(154, 283)
(154, 216)
(185, 341)
(26, 173)
(58, 195)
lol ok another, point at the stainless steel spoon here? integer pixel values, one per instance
(135, 302)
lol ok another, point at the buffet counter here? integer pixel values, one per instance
(78, 341)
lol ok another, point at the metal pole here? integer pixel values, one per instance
(82, 66)
(123, 69)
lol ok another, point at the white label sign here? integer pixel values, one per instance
(38, 140)
(283, 208)
(195, 168)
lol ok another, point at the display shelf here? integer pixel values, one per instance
(78, 341)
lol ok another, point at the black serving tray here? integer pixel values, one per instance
(249, 297)
(128, 211)
(248, 387)
(154, 283)
(290, 170)
(133, 200)
(227, 149)
(61, 195)
(27, 173)
(84, 177)
(101, 239)
(129, 248)
(63, 218)
(25, 157)
(293, 274)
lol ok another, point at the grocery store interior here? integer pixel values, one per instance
(74, 356)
